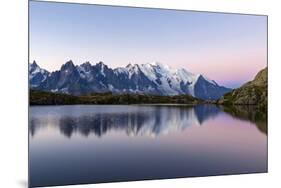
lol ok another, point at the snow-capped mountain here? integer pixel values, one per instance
(150, 78)
(36, 75)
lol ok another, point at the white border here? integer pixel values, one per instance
(13, 143)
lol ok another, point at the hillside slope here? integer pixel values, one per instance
(251, 93)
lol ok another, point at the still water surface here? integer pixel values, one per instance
(104, 143)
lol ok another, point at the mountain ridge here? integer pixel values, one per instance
(150, 78)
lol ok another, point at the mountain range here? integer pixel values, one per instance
(150, 78)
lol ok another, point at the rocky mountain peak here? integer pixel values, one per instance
(34, 63)
(68, 66)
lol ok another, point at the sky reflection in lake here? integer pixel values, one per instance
(101, 143)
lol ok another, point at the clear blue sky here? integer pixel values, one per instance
(228, 48)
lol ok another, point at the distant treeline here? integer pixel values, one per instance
(48, 98)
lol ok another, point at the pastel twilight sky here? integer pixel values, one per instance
(228, 48)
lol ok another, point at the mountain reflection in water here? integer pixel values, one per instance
(134, 121)
(106, 143)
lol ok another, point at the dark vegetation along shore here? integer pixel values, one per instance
(49, 98)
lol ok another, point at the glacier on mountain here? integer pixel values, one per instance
(148, 78)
